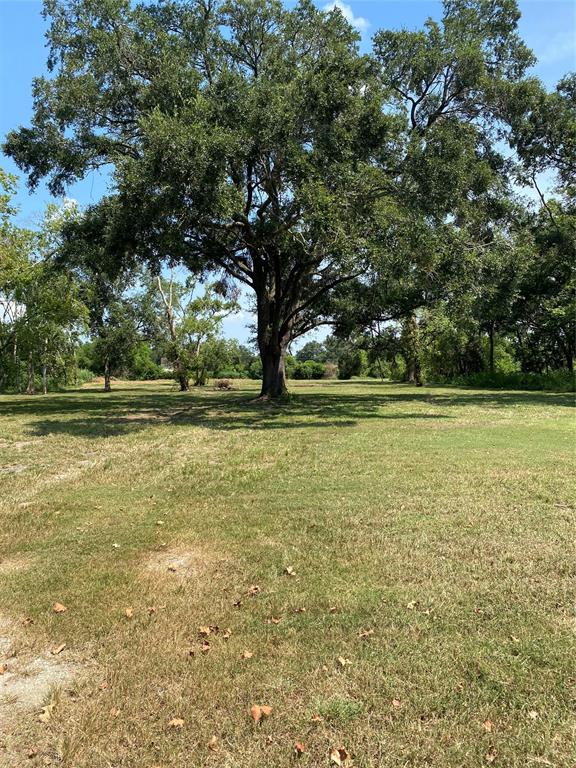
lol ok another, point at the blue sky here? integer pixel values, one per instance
(547, 26)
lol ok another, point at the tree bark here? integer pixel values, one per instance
(491, 346)
(273, 371)
(31, 388)
(107, 377)
(274, 335)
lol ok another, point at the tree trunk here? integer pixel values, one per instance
(44, 379)
(31, 388)
(107, 377)
(273, 371)
(181, 376)
(491, 347)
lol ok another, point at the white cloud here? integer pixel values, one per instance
(358, 22)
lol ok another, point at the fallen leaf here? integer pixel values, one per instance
(514, 639)
(238, 603)
(533, 715)
(129, 612)
(3, 668)
(247, 655)
(46, 712)
(299, 610)
(289, 571)
(299, 748)
(205, 647)
(334, 609)
(343, 662)
(151, 609)
(412, 604)
(58, 649)
(258, 711)
(172, 568)
(487, 725)
(204, 631)
(103, 686)
(254, 590)
(176, 722)
(115, 711)
(490, 756)
(339, 755)
(396, 703)
(275, 619)
(226, 634)
(57, 608)
(32, 752)
(116, 546)
(159, 522)
(213, 744)
(366, 633)
(316, 719)
(27, 622)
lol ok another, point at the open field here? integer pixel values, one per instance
(441, 519)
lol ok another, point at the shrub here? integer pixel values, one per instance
(84, 375)
(555, 381)
(309, 369)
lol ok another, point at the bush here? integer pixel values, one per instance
(309, 370)
(84, 375)
(354, 363)
(555, 381)
(330, 371)
(232, 374)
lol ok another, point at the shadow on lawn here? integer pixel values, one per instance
(91, 413)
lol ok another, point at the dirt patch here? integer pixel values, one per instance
(182, 563)
(143, 416)
(9, 565)
(26, 683)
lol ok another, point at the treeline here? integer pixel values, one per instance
(382, 194)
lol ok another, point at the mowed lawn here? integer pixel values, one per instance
(388, 568)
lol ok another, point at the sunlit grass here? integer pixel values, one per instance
(441, 519)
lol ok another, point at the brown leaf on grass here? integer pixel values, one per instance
(300, 610)
(58, 649)
(364, 633)
(176, 723)
(412, 604)
(32, 752)
(151, 609)
(258, 711)
(204, 631)
(129, 612)
(289, 571)
(533, 715)
(334, 609)
(237, 603)
(316, 719)
(299, 748)
(172, 568)
(3, 668)
(274, 619)
(46, 712)
(339, 755)
(247, 655)
(213, 744)
(514, 639)
(490, 756)
(396, 703)
(115, 711)
(205, 647)
(58, 608)
(226, 634)
(487, 726)
(254, 590)
(343, 662)
(104, 685)
(27, 622)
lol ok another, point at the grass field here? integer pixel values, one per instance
(398, 562)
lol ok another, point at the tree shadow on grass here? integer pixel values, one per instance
(89, 413)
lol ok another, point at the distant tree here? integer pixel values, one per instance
(312, 350)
